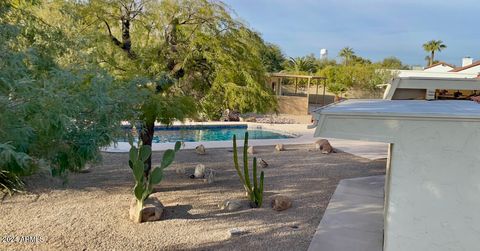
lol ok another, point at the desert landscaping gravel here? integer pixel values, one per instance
(90, 211)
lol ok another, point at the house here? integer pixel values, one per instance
(468, 66)
(438, 81)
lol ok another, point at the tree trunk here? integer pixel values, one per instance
(146, 136)
(432, 58)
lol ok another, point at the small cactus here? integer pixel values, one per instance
(255, 190)
(144, 181)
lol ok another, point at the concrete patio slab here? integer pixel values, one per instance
(354, 217)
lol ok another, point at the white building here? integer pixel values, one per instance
(439, 67)
(468, 67)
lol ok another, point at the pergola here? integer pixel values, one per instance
(277, 87)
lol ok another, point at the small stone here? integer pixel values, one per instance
(251, 150)
(210, 176)
(279, 147)
(180, 170)
(152, 210)
(236, 232)
(324, 146)
(200, 150)
(250, 119)
(192, 176)
(231, 205)
(280, 203)
(85, 169)
(262, 163)
(199, 171)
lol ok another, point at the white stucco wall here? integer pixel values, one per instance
(439, 68)
(433, 201)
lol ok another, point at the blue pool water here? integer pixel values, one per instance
(211, 133)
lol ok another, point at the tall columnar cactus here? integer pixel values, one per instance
(144, 181)
(255, 190)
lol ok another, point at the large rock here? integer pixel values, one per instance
(152, 210)
(324, 146)
(279, 147)
(199, 171)
(200, 150)
(234, 116)
(280, 203)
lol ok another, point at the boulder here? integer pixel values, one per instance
(324, 146)
(250, 119)
(152, 210)
(200, 150)
(234, 115)
(251, 150)
(199, 171)
(281, 202)
(279, 147)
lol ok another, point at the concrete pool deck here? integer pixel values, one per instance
(369, 150)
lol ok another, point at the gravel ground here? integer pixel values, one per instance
(90, 211)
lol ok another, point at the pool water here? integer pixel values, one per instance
(211, 133)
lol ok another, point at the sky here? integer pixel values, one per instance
(375, 29)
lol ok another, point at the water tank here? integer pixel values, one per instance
(323, 53)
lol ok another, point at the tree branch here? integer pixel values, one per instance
(112, 37)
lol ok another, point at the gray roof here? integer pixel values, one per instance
(405, 108)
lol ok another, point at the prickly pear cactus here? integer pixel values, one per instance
(144, 182)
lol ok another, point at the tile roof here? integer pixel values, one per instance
(458, 69)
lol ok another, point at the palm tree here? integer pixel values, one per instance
(432, 46)
(301, 65)
(347, 54)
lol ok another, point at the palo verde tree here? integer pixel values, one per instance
(186, 57)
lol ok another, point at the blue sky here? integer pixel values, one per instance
(373, 28)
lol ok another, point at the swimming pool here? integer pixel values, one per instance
(196, 133)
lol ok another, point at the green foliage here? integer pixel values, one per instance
(272, 58)
(57, 108)
(145, 179)
(347, 55)
(393, 63)
(341, 78)
(13, 165)
(255, 190)
(196, 44)
(432, 46)
(301, 65)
